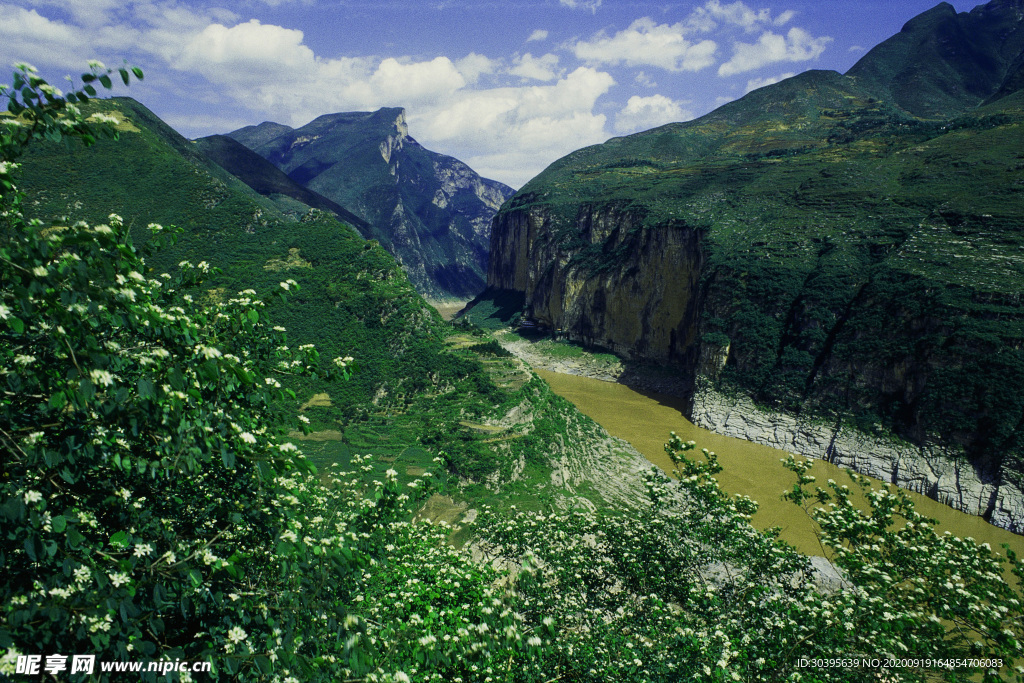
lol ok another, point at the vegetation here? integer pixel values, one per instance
(842, 241)
(152, 509)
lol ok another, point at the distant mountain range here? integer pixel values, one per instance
(431, 211)
(843, 252)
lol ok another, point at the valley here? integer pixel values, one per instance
(315, 403)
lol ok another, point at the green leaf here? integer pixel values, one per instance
(58, 523)
(124, 75)
(138, 72)
(253, 315)
(90, 90)
(58, 400)
(146, 388)
(17, 325)
(107, 83)
(264, 664)
(120, 539)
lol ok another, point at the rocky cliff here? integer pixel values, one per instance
(819, 250)
(431, 211)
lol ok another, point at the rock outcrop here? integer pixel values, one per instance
(938, 471)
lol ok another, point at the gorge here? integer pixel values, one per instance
(829, 267)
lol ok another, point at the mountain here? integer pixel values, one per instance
(942, 63)
(419, 388)
(269, 181)
(832, 264)
(431, 211)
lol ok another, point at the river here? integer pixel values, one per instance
(645, 420)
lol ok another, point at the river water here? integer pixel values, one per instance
(645, 420)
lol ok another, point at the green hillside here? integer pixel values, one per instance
(420, 389)
(845, 257)
(269, 181)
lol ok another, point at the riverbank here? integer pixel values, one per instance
(644, 419)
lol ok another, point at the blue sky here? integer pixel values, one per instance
(508, 87)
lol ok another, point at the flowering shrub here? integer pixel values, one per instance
(689, 590)
(149, 505)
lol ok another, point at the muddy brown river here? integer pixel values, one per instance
(645, 420)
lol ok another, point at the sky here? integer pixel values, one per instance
(506, 86)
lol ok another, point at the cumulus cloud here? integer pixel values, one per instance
(539, 34)
(473, 66)
(536, 68)
(796, 46)
(642, 113)
(755, 83)
(647, 43)
(504, 132)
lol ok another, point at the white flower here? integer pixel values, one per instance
(102, 377)
(96, 64)
(24, 359)
(33, 497)
(278, 328)
(34, 438)
(287, 447)
(104, 230)
(237, 634)
(5, 312)
(209, 352)
(285, 286)
(40, 271)
(143, 549)
(401, 677)
(247, 437)
(304, 419)
(118, 579)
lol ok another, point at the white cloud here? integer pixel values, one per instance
(784, 18)
(591, 5)
(646, 43)
(536, 68)
(254, 49)
(856, 48)
(755, 83)
(643, 79)
(539, 34)
(642, 113)
(736, 14)
(473, 66)
(796, 46)
(505, 133)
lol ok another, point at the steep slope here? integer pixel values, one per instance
(848, 266)
(431, 211)
(269, 181)
(942, 63)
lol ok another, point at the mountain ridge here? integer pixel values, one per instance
(824, 249)
(430, 210)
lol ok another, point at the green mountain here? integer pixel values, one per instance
(832, 263)
(270, 181)
(420, 387)
(431, 211)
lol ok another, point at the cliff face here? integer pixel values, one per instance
(642, 306)
(817, 251)
(431, 211)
